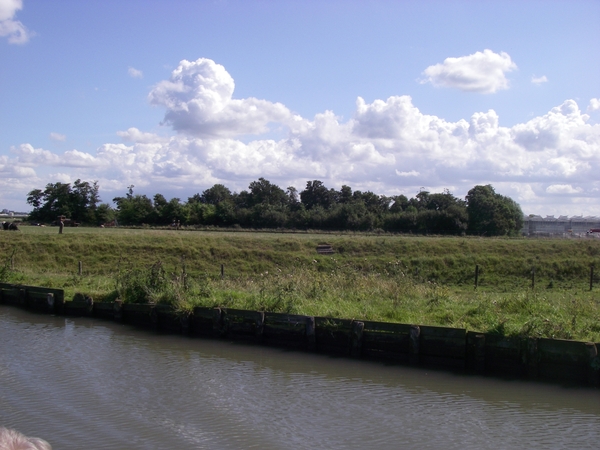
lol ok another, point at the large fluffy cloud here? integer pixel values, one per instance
(17, 32)
(483, 72)
(548, 164)
(198, 100)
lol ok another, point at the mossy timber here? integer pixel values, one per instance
(572, 362)
(542, 288)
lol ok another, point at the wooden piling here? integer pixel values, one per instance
(531, 358)
(413, 344)
(593, 375)
(356, 339)
(311, 343)
(476, 352)
(536, 358)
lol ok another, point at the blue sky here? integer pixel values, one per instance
(388, 96)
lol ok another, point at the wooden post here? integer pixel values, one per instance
(260, 324)
(118, 310)
(476, 275)
(80, 268)
(183, 272)
(184, 321)
(413, 344)
(222, 271)
(356, 337)
(532, 357)
(591, 277)
(218, 325)
(533, 278)
(50, 300)
(479, 353)
(594, 364)
(60, 227)
(310, 334)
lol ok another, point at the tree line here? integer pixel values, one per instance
(266, 205)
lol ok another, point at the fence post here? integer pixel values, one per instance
(222, 271)
(476, 275)
(591, 277)
(183, 272)
(533, 277)
(80, 268)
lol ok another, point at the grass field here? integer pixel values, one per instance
(408, 279)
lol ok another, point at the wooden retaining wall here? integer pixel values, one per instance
(555, 360)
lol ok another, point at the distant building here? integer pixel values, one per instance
(534, 225)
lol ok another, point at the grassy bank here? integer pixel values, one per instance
(423, 280)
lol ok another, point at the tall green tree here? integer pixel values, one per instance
(492, 214)
(134, 209)
(316, 194)
(77, 202)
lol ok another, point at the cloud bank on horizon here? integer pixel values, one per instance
(388, 146)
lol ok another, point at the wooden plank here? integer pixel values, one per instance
(290, 330)
(386, 340)
(170, 320)
(104, 310)
(568, 361)
(443, 332)
(476, 352)
(59, 294)
(78, 308)
(503, 354)
(206, 321)
(443, 342)
(388, 327)
(240, 323)
(332, 335)
(14, 297)
(325, 249)
(140, 314)
(561, 351)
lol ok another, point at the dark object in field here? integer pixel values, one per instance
(10, 226)
(325, 249)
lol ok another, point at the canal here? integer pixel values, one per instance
(88, 384)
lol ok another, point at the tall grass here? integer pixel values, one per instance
(386, 278)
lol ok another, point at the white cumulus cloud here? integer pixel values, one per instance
(562, 189)
(134, 73)
(594, 105)
(539, 80)
(412, 173)
(16, 32)
(134, 135)
(199, 101)
(58, 137)
(549, 164)
(483, 72)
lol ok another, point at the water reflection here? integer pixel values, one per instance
(82, 383)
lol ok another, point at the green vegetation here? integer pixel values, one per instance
(407, 279)
(267, 206)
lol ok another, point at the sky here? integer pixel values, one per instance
(392, 97)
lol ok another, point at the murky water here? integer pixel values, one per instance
(89, 384)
